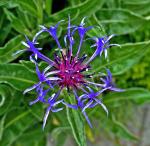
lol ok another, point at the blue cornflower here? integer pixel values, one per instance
(30, 47)
(41, 95)
(52, 103)
(69, 71)
(82, 31)
(101, 44)
(107, 83)
(52, 31)
(92, 99)
(43, 77)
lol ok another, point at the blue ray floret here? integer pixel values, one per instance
(69, 71)
(102, 45)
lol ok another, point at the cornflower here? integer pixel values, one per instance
(69, 71)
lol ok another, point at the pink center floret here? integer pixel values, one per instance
(70, 72)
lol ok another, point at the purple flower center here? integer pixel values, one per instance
(70, 70)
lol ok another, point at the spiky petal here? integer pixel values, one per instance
(69, 71)
(101, 44)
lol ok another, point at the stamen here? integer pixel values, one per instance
(82, 58)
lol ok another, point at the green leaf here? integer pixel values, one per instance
(137, 6)
(2, 126)
(36, 110)
(5, 27)
(17, 23)
(76, 123)
(10, 4)
(6, 52)
(38, 137)
(55, 133)
(3, 2)
(48, 6)
(6, 98)
(16, 75)
(86, 8)
(27, 6)
(39, 8)
(4, 32)
(98, 30)
(2, 19)
(122, 132)
(59, 135)
(139, 95)
(122, 59)
(74, 3)
(29, 21)
(16, 123)
(120, 21)
(28, 64)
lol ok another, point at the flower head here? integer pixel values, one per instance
(82, 31)
(52, 103)
(102, 44)
(69, 71)
(52, 31)
(108, 83)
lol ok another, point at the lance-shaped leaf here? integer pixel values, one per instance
(121, 131)
(6, 52)
(86, 8)
(139, 95)
(6, 98)
(19, 121)
(123, 58)
(120, 21)
(76, 123)
(17, 76)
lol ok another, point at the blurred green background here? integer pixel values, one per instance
(129, 118)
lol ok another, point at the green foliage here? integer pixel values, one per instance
(6, 52)
(20, 125)
(17, 76)
(138, 95)
(120, 21)
(128, 55)
(121, 131)
(76, 123)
